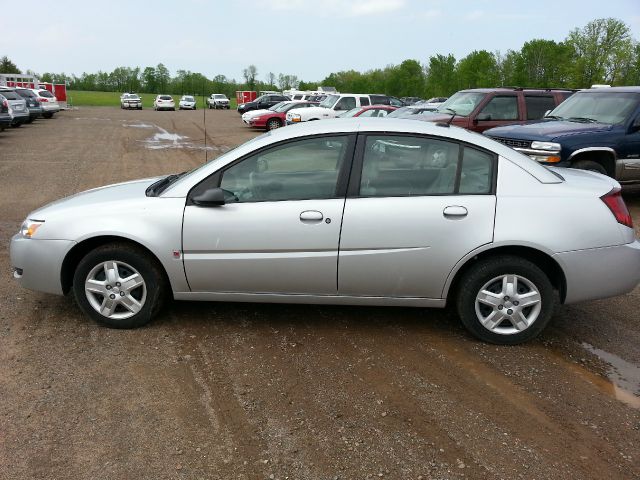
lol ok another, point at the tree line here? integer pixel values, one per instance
(603, 51)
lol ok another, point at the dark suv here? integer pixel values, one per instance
(479, 109)
(264, 102)
(596, 129)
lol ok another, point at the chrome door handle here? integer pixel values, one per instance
(455, 211)
(311, 216)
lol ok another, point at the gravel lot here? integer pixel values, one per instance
(251, 391)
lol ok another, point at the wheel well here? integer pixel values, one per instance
(548, 265)
(78, 252)
(604, 158)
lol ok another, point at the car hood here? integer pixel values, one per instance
(546, 130)
(98, 197)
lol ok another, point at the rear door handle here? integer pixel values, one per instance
(311, 216)
(455, 211)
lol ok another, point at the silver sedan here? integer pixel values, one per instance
(353, 211)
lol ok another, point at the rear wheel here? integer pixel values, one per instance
(273, 123)
(119, 286)
(591, 166)
(47, 114)
(505, 300)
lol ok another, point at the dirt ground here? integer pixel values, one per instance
(252, 391)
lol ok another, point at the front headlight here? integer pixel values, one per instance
(549, 146)
(29, 227)
(296, 117)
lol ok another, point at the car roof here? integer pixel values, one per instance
(516, 89)
(612, 89)
(358, 124)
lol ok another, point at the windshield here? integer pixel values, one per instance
(132, 97)
(462, 103)
(187, 99)
(275, 107)
(329, 102)
(45, 93)
(284, 106)
(222, 97)
(609, 107)
(350, 113)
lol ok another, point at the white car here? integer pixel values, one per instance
(187, 102)
(330, 107)
(218, 100)
(48, 102)
(164, 102)
(130, 100)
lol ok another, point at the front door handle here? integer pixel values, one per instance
(455, 211)
(311, 216)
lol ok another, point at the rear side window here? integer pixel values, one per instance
(364, 101)
(418, 166)
(537, 105)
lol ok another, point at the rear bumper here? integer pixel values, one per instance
(600, 272)
(50, 108)
(37, 264)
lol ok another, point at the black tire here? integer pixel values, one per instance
(146, 266)
(590, 165)
(273, 123)
(47, 115)
(16, 125)
(483, 272)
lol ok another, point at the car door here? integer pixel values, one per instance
(500, 110)
(278, 232)
(629, 150)
(416, 205)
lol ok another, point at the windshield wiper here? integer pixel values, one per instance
(582, 119)
(554, 117)
(161, 185)
(450, 109)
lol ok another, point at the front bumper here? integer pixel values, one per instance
(37, 264)
(132, 105)
(600, 272)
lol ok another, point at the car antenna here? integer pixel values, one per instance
(452, 117)
(204, 121)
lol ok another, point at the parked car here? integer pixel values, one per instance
(17, 107)
(276, 117)
(218, 100)
(360, 212)
(187, 102)
(432, 103)
(130, 100)
(35, 110)
(597, 130)
(479, 109)
(164, 102)
(377, 99)
(410, 100)
(370, 111)
(48, 102)
(330, 107)
(247, 116)
(262, 103)
(5, 116)
(411, 111)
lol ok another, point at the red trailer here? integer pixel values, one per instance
(245, 96)
(18, 80)
(58, 89)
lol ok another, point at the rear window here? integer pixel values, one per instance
(165, 97)
(26, 93)
(45, 94)
(537, 105)
(10, 95)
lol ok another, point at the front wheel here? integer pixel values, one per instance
(119, 286)
(273, 123)
(505, 300)
(591, 166)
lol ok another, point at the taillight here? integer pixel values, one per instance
(616, 204)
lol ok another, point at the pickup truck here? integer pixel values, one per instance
(596, 129)
(218, 100)
(330, 107)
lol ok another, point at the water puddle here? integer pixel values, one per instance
(138, 125)
(624, 376)
(163, 140)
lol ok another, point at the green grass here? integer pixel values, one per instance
(80, 98)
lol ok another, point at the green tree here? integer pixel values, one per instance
(478, 69)
(542, 63)
(7, 66)
(163, 77)
(149, 82)
(407, 79)
(441, 76)
(602, 48)
(250, 73)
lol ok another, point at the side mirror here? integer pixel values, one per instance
(210, 198)
(547, 113)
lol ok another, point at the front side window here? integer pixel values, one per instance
(500, 108)
(300, 170)
(395, 166)
(346, 103)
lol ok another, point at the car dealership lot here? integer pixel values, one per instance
(249, 390)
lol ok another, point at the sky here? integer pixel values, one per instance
(309, 39)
